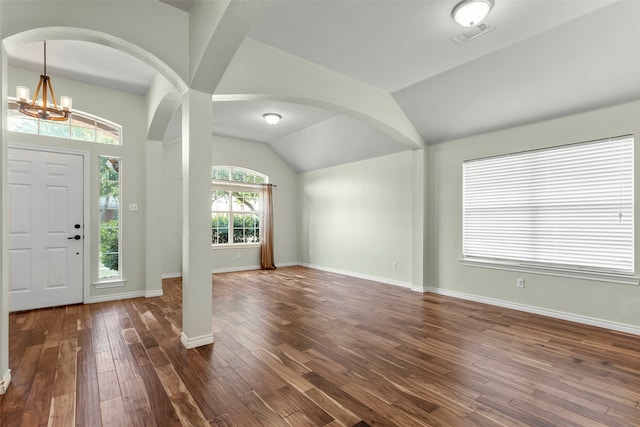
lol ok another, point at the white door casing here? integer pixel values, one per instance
(46, 208)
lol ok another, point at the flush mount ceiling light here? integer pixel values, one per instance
(471, 12)
(42, 108)
(271, 118)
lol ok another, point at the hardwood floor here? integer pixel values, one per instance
(300, 347)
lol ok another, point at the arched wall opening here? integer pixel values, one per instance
(36, 35)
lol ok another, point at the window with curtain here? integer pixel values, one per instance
(568, 207)
(236, 205)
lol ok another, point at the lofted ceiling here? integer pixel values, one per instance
(544, 59)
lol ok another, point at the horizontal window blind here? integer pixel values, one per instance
(566, 207)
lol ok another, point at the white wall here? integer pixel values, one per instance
(595, 301)
(250, 155)
(172, 209)
(129, 111)
(357, 218)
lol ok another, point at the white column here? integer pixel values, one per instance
(5, 373)
(196, 219)
(155, 201)
(419, 226)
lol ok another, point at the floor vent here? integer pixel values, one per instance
(472, 33)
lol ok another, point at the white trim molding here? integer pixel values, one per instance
(420, 288)
(287, 264)
(586, 320)
(152, 294)
(196, 341)
(360, 276)
(110, 284)
(116, 297)
(624, 279)
(6, 380)
(233, 269)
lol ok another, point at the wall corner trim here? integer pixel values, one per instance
(196, 341)
(586, 320)
(423, 289)
(6, 380)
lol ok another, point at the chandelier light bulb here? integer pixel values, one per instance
(66, 102)
(22, 93)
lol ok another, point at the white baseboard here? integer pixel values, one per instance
(151, 294)
(196, 341)
(419, 288)
(6, 380)
(601, 323)
(116, 297)
(234, 269)
(287, 264)
(359, 275)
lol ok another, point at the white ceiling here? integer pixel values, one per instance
(544, 59)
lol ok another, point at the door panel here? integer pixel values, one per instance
(46, 201)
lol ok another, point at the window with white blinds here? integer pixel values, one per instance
(567, 207)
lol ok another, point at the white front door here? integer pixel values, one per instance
(46, 234)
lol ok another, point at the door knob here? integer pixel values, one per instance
(76, 237)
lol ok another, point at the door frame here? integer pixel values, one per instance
(86, 207)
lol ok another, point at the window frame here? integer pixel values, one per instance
(232, 186)
(114, 280)
(99, 124)
(548, 266)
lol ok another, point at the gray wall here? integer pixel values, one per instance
(254, 156)
(357, 218)
(589, 299)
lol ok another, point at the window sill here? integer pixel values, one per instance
(236, 246)
(116, 283)
(624, 279)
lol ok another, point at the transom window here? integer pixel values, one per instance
(235, 205)
(80, 126)
(567, 207)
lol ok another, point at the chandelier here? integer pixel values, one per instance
(45, 108)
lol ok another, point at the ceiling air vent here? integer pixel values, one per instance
(472, 33)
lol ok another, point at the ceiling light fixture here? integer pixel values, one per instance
(271, 118)
(470, 13)
(42, 108)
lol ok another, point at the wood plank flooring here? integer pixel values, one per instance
(300, 347)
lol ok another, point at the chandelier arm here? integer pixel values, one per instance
(43, 111)
(35, 95)
(53, 95)
(44, 93)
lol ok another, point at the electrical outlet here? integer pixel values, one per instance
(394, 265)
(239, 254)
(520, 282)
